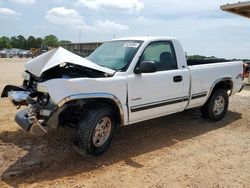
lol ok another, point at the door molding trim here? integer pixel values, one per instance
(161, 103)
(158, 104)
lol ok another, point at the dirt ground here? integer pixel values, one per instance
(181, 150)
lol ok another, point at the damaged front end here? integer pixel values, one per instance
(29, 118)
(32, 119)
(42, 113)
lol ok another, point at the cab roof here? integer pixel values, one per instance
(146, 38)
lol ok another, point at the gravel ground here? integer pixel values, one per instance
(181, 150)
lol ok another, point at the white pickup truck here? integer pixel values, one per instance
(122, 82)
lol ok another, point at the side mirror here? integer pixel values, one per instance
(146, 67)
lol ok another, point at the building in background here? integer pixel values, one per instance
(82, 49)
(240, 8)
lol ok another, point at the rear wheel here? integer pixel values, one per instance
(217, 105)
(94, 131)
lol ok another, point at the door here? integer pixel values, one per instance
(160, 93)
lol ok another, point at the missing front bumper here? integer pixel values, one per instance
(33, 118)
(29, 124)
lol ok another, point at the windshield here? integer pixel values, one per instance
(115, 55)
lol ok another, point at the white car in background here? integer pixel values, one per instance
(3, 54)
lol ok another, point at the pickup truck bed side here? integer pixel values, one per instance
(203, 82)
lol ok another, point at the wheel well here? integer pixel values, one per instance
(113, 105)
(78, 106)
(225, 84)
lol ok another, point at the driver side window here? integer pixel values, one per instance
(163, 55)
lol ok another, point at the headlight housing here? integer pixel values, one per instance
(39, 98)
(44, 99)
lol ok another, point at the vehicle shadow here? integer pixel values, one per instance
(52, 156)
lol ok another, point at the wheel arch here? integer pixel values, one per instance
(222, 83)
(98, 98)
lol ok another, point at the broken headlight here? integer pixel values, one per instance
(44, 99)
(38, 98)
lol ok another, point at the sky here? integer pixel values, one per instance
(200, 26)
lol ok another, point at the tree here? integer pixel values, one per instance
(5, 42)
(39, 42)
(196, 57)
(21, 42)
(31, 42)
(51, 41)
(65, 42)
(14, 42)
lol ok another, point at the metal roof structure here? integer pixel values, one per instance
(240, 8)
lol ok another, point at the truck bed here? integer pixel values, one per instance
(204, 75)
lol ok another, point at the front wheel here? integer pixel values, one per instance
(94, 131)
(216, 107)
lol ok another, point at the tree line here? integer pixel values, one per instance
(31, 42)
(201, 57)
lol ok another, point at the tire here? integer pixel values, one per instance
(94, 131)
(216, 106)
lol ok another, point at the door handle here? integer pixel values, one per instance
(177, 78)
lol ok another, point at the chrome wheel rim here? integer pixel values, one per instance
(102, 131)
(219, 105)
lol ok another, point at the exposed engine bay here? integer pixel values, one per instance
(68, 70)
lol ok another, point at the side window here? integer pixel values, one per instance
(162, 53)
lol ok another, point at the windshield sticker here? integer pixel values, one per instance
(131, 45)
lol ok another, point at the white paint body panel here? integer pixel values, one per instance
(149, 88)
(133, 90)
(204, 76)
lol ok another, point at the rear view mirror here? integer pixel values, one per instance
(146, 67)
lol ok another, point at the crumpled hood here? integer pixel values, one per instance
(57, 56)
